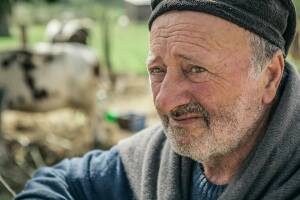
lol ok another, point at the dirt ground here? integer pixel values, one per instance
(33, 140)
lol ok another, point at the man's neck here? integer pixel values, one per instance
(221, 169)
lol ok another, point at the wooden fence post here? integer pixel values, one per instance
(107, 48)
(23, 36)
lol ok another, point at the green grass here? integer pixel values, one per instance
(130, 48)
(129, 45)
(5, 197)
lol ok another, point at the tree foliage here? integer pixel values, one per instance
(5, 7)
(5, 12)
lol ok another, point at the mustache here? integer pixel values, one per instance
(191, 108)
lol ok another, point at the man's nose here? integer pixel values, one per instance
(174, 91)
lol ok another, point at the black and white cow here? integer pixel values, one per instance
(50, 76)
(74, 30)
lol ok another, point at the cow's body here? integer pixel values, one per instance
(49, 77)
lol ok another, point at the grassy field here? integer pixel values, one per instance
(129, 44)
(2, 197)
(5, 197)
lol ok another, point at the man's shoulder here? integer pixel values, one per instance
(145, 144)
(142, 139)
(97, 175)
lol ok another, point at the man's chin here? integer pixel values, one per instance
(181, 146)
(181, 150)
(187, 152)
(193, 154)
(188, 147)
(184, 143)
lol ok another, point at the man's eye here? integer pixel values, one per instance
(157, 74)
(156, 70)
(197, 74)
(197, 69)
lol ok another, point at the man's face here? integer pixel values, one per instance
(202, 83)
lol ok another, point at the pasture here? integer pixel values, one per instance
(128, 42)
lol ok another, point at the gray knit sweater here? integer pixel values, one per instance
(202, 188)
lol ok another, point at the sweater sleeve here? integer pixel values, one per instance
(97, 175)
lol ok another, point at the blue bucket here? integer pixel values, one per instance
(132, 122)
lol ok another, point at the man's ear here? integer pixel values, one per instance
(272, 77)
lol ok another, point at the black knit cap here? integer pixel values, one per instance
(274, 20)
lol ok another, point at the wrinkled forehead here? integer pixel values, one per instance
(198, 28)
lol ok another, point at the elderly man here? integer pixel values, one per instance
(229, 105)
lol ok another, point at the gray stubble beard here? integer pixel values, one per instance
(233, 132)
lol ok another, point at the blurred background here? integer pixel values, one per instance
(72, 79)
